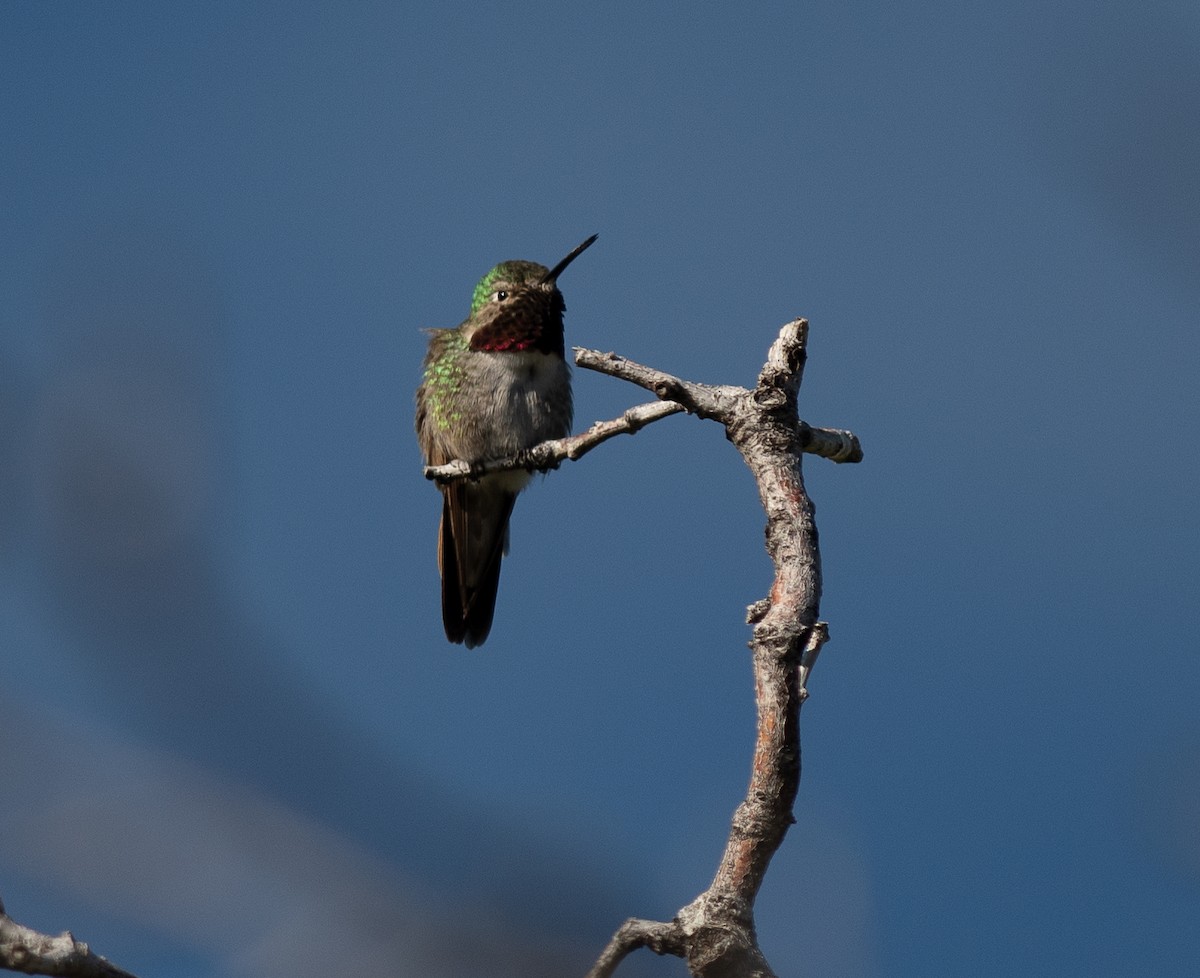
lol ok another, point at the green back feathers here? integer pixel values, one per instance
(442, 377)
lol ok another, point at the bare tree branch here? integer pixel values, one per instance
(715, 933)
(27, 951)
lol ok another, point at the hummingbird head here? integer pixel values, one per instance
(517, 307)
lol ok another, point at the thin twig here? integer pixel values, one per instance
(701, 399)
(550, 454)
(661, 938)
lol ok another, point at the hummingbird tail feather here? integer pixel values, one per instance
(452, 617)
(474, 538)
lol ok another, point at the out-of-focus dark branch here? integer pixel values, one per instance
(31, 953)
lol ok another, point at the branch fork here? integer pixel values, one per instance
(715, 933)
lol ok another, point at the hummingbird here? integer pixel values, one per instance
(492, 387)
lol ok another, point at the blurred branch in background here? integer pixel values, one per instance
(224, 867)
(22, 949)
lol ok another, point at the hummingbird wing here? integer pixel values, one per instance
(471, 546)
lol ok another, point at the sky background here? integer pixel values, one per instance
(233, 739)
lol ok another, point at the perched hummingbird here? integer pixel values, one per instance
(494, 386)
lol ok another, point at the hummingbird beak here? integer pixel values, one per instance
(551, 276)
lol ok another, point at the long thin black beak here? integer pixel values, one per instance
(557, 270)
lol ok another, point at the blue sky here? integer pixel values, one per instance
(228, 714)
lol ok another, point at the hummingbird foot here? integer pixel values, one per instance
(531, 460)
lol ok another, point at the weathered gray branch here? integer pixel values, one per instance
(715, 933)
(27, 951)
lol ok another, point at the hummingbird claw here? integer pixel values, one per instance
(526, 460)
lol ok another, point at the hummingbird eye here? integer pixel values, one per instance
(500, 296)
